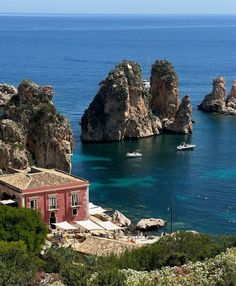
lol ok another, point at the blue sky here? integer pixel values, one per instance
(119, 6)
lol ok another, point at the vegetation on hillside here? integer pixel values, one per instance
(182, 259)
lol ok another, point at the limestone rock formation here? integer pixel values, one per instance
(183, 119)
(164, 90)
(6, 92)
(13, 151)
(32, 132)
(121, 220)
(125, 108)
(231, 99)
(150, 223)
(119, 110)
(215, 101)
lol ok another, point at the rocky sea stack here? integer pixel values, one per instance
(125, 108)
(218, 101)
(32, 132)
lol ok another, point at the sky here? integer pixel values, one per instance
(119, 6)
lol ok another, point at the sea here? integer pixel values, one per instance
(73, 53)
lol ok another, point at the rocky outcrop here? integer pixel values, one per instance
(119, 109)
(215, 101)
(150, 223)
(121, 220)
(124, 107)
(32, 132)
(6, 92)
(231, 99)
(13, 151)
(164, 90)
(183, 119)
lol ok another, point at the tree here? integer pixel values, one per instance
(17, 266)
(21, 224)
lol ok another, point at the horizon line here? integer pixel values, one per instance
(115, 14)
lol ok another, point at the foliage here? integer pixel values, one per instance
(21, 224)
(44, 110)
(214, 271)
(26, 81)
(18, 146)
(74, 268)
(170, 251)
(17, 266)
(164, 69)
(111, 277)
(182, 249)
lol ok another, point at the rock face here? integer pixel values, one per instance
(6, 92)
(231, 99)
(183, 119)
(124, 107)
(215, 101)
(164, 90)
(32, 132)
(119, 109)
(150, 223)
(119, 219)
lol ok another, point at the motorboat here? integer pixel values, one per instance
(134, 154)
(185, 147)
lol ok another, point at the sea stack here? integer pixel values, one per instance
(121, 108)
(165, 102)
(164, 90)
(125, 108)
(33, 132)
(217, 101)
(182, 123)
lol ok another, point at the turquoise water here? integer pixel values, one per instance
(74, 53)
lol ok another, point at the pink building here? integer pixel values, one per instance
(58, 196)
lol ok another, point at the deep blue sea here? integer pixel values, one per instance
(74, 53)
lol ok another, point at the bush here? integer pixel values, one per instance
(170, 251)
(109, 277)
(17, 267)
(22, 225)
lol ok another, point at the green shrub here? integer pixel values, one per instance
(17, 266)
(170, 251)
(21, 224)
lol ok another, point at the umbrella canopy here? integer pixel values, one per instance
(97, 210)
(89, 225)
(7, 202)
(65, 225)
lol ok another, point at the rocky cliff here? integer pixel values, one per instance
(182, 123)
(217, 101)
(164, 90)
(32, 132)
(124, 107)
(119, 110)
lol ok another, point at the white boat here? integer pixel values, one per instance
(135, 154)
(185, 147)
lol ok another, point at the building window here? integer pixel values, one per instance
(74, 199)
(33, 204)
(74, 211)
(52, 203)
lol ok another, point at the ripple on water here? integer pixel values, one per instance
(85, 158)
